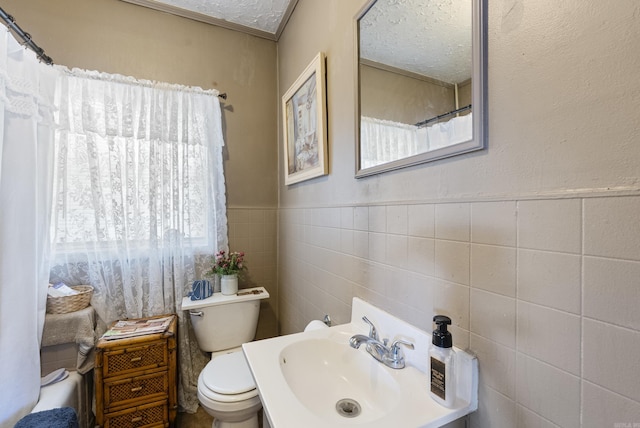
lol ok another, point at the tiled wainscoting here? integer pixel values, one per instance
(545, 291)
(254, 231)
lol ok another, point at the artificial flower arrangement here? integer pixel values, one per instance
(224, 263)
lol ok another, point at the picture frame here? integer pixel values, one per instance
(304, 117)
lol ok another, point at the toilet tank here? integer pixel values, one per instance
(223, 322)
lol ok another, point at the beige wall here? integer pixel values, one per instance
(531, 245)
(392, 96)
(464, 94)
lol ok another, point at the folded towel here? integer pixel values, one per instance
(63, 417)
(73, 327)
(200, 290)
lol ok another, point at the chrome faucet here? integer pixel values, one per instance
(390, 356)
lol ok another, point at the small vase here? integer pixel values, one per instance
(229, 284)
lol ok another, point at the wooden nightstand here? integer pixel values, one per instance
(135, 379)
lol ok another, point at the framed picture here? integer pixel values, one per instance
(305, 125)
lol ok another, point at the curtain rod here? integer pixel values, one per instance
(25, 36)
(433, 119)
(11, 22)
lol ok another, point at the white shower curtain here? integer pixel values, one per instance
(383, 141)
(139, 198)
(445, 134)
(26, 142)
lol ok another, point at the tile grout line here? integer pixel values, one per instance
(517, 296)
(582, 252)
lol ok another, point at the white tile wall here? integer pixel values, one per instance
(529, 419)
(550, 279)
(453, 222)
(493, 268)
(611, 357)
(548, 391)
(612, 228)
(494, 317)
(602, 406)
(601, 276)
(494, 223)
(498, 368)
(549, 335)
(554, 225)
(421, 220)
(494, 411)
(545, 291)
(452, 261)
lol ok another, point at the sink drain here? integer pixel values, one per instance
(348, 408)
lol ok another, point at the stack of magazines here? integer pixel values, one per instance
(133, 328)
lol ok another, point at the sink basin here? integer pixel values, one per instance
(315, 379)
(338, 374)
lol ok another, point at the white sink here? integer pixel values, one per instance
(303, 377)
(321, 372)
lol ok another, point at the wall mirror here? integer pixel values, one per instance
(420, 82)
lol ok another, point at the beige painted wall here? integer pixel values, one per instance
(531, 246)
(554, 76)
(117, 37)
(399, 98)
(464, 94)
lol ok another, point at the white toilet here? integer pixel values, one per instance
(226, 389)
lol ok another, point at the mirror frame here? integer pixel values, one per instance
(478, 97)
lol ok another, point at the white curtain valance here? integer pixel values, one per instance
(122, 106)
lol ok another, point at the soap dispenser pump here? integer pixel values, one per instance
(441, 363)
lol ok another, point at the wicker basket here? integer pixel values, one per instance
(66, 304)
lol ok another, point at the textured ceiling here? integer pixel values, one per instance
(428, 37)
(263, 18)
(262, 15)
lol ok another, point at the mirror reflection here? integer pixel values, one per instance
(416, 73)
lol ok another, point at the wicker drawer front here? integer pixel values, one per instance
(151, 387)
(150, 356)
(148, 415)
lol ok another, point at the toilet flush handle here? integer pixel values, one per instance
(196, 313)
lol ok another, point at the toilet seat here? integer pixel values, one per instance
(227, 378)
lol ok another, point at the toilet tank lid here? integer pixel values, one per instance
(245, 294)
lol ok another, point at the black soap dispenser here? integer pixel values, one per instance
(441, 363)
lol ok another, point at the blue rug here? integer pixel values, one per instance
(64, 417)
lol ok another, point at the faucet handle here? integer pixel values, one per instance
(395, 348)
(373, 333)
(395, 357)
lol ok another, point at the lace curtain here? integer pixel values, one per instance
(26, 138)
(139, 199)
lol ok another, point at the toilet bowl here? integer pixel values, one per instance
(227, 392)
(226, 389)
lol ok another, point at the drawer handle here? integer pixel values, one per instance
(138, 419)
(136, 389)
(136, 359)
